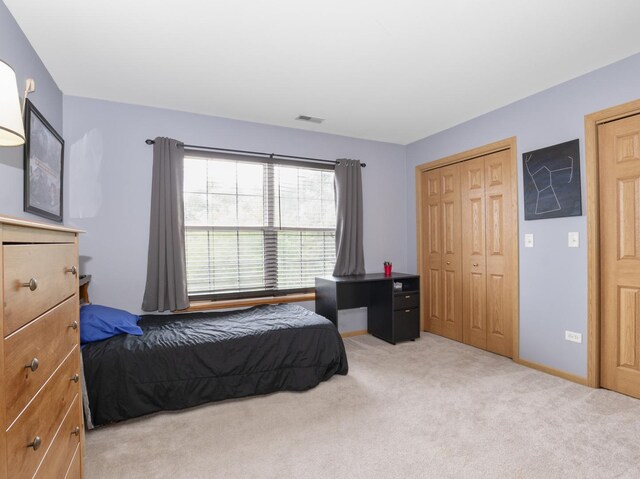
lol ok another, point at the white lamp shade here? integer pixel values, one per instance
(11, 127)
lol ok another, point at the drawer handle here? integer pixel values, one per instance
(407, 297)
(407, 310)
(33, 365)
(75, 378)
(74, 325)
(475, 264)
(35, 444)
(32, 284)
(73, 270)
(448, 262)
(76, 431)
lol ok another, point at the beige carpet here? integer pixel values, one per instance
(430, 408)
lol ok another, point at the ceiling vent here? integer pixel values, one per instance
(310, 119)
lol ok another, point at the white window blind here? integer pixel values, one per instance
(256, 227)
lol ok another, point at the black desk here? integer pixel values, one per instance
(392, 315)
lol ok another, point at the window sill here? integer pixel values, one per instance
(242, 303)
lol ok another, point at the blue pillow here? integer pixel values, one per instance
(100, 322)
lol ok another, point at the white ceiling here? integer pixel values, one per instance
(394, 71)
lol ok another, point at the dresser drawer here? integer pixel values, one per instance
(75, 468)
(44, 342)
(60, 454)
(41, 419)
(406, 301)
(48, 265)
(406, 325)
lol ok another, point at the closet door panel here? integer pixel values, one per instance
(432, 269)
(499, 231)
(451, 252)
(474, 283)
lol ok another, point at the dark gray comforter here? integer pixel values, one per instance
(184, 360)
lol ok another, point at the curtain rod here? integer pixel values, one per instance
(259, 153)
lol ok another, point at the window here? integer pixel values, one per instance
(256, 228)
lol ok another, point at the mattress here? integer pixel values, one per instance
(184, 360)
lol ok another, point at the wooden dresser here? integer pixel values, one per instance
(42, 431)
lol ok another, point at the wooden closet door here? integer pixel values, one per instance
(451, 252)
(498, 235)
(619, 175)
(474, 283)
(432, 269)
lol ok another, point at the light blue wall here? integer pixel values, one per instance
(16, 51)
(110, 181)
(553, 277)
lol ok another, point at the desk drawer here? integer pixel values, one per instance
(47, 341)
(60, 454)
(406, 324)
(41, 419)
(48, 265)
(406, 300)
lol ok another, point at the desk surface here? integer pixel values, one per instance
(364, 278)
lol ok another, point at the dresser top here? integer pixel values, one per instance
(9, 220)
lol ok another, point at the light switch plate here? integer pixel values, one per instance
(574, 239)
(528, 240)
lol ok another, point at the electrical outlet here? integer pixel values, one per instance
(573, 337)
(528, 240)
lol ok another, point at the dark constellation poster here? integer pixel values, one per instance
(552, 181)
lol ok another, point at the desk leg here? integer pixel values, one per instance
(326, 300)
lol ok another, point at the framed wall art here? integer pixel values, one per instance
(551, 179)
(43, 166)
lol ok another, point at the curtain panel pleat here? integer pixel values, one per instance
(349, 243)
(166, 287)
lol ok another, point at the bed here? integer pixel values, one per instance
(184, 360)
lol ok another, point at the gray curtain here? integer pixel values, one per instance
(349, 249)
(166, 287)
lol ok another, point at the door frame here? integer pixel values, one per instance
(591, 123)
(506, 144)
